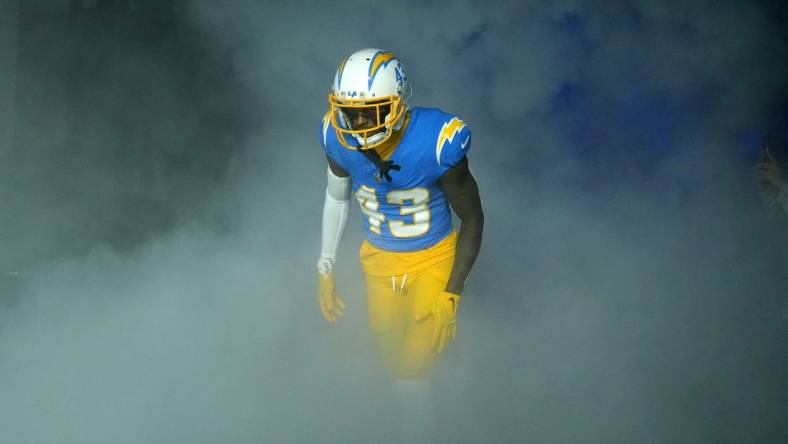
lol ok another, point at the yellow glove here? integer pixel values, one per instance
(444, 310)
(330, 304)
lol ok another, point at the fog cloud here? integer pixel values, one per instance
(630, 286)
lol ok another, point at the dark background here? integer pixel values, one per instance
(162, 188)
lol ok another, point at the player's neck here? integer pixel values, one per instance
(386, 149)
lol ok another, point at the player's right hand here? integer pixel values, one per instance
(330, 304)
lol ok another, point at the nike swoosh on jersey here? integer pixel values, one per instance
(465, 142)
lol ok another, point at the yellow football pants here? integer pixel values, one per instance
(404, 343)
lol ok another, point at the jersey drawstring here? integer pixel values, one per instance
(401, 286)
(384, 166)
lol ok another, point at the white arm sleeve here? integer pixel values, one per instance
(335, 213)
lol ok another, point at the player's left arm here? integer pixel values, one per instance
(463, 193)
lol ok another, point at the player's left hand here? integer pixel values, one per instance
(443, 309)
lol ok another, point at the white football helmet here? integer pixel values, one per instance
(371, 85)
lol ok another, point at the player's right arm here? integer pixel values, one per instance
(335, 214)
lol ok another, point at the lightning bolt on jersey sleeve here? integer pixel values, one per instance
(454, 142)
(411, 212)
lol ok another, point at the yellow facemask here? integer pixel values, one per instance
(382, 114)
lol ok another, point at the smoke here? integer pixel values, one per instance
(630, 286)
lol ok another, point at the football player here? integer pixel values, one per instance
(406, 167)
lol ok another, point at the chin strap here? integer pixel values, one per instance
(384, 166)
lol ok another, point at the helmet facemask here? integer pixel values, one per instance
(385, 115)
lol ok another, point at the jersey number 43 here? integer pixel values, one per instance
(411, 202)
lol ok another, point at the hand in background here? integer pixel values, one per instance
(767, 171)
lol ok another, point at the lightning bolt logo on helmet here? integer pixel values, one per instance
(379, 60)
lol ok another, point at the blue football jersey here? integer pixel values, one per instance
(411, 212)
